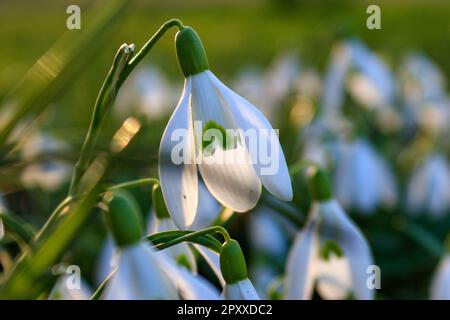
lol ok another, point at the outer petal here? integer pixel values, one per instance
(190, 286)
(440, 287)
(300, 273)
(179, 180)
(62, 291)
(105, 260)
(334, 280)
(273, 171)
(208, 209)
(139, 276)
(241, 290)
(338, 227)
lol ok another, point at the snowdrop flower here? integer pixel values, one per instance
(46, 174)
(105, 260)
(429, 187)
(330, 251)
(234, 271)
(440, 285)
(363, 179)
(148, 92)
(142, 273)
(233, 171)
(65, 289)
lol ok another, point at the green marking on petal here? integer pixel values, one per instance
(215, 135)
(330, 247)
(183, 260)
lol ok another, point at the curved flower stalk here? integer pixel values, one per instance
(234, 271)
(330, 251)
(141, 273)
(147, 92)
(440, 285)
(429, 187)
(47, 174)
(232, 171)
(363, 179)
(65, 289)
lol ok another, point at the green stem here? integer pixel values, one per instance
(102, 286)
(17, 225)
(53, 217)
(425, 239)
(148, 46)
(195, 234)
(105, 98)
(134, 183)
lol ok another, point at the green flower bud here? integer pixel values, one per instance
(124, 217)
(190, 52)
(158, 203)
(232, 262)
(319, 184)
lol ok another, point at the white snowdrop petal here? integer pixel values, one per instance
(265, 151)
(231, 179)
(208, 209)
(190, 286)
(300, 271)
(338, 227)
(179, 180)
(241, 290)
(440, 285)
(334, 281)
(139, 276)
(65, 290)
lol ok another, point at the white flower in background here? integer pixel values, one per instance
(140, 272)
(330, 252)
(440, 285)
(424, 93)
(147, 92)
(234, 175)
(250, 83)
(366, 77)
(48, 174)
(64, 289)
(362, 178)
(429, 187)
(262, 275)
(105, 260)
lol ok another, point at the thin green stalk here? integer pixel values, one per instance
(190, 236)
(134, 183)
(14, 223)
(148, 46)
(102, 286)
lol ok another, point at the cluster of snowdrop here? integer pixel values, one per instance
(290, 258)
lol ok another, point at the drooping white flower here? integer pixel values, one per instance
(233, 173)
(363, 179)
(65, 289)
(429, 187)
(241, 290)
(440, 285)
(105, 260)
(331, 252)
(48, 174)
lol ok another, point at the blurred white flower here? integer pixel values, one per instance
(241, 290)
(429, 187)
(235, 184)
(144, 274)
(331, 252)
(262, 276)
(105, 260)
(47, 174)
(440, 285)
(65, 290)
(147, 92)
(363, 180)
